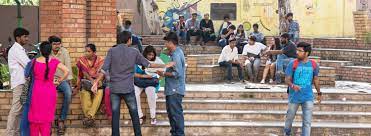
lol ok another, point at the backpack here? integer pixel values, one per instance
(296, 64)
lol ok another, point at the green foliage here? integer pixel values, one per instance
(23, 2)
(74, 73)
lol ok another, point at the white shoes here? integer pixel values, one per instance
(271, 81)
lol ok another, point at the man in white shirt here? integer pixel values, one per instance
(229, 58)
(17, 61)
(252, 52)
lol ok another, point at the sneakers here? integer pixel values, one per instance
(263, 81)
(153, 121)
(271, 81)
(230, 82)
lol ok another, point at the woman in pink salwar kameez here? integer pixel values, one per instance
(44, 94)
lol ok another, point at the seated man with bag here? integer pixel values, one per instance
(89, 77)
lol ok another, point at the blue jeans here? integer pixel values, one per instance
(137, 41)
(182, 35)
(281, 64)
(229, 66)
(131, 103)
(307, 108)
(222, 43)
(65, 88)
(175, 113)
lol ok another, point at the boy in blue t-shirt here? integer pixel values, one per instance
(301, 73)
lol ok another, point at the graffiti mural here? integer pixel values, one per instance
(170, 14)
(321, 14)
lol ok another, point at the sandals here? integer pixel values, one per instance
(142, 119)
(60, 128)
(88, 122)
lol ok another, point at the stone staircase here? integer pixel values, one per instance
(231, 110)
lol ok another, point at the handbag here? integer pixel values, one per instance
(86, 84)
(146, 82)
(27, 84)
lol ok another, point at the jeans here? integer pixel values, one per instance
(175, 113)
(182, 35)
(131, 103)
(137, 41)
(229, 65)
(207, 36)
(307, 108)
(222, 42)
(193, 33)
(281, 64)
(65, 88)
(253, 68)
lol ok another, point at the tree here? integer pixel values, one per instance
(283, 9)
(23, 2)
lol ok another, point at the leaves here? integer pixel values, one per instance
(23, 2)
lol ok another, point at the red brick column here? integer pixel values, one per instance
(101, 24)
(50, 18)
(74, 26)
(79, 22)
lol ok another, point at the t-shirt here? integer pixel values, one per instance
(289, 50)
(255, 49)
(224, 32)
(303, 77)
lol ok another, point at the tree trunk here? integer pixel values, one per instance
(283, 9)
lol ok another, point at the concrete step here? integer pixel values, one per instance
(258, 104)
(237, 91)
(355, 73)
(335, 63)
(268, 115)
(358, 57)
(228, 128)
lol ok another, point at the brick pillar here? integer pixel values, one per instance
(74, 27)
(50, 18)
(79, 22)
(101, 24)
(362, 24)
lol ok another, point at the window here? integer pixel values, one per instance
(219, 10)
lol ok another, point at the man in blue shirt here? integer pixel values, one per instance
(293, 28)
(301, 73)
(174, 85)
(120, 63)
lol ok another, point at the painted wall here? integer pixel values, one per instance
(317, 18)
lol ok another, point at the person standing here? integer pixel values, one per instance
(174, 85)
(121, 82)
(64, 87)
(301, 73)
(44, 94)
(17, 61)
(293, 28)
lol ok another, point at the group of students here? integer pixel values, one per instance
(98, 79)
(279, 55)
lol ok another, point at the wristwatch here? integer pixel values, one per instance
(319, 93)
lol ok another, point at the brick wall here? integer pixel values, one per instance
(358, 57)
(79, 22)
(355, 73)
(75, 114)
(361, 24)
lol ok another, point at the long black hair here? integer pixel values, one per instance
(46, 49)
(150, 49)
